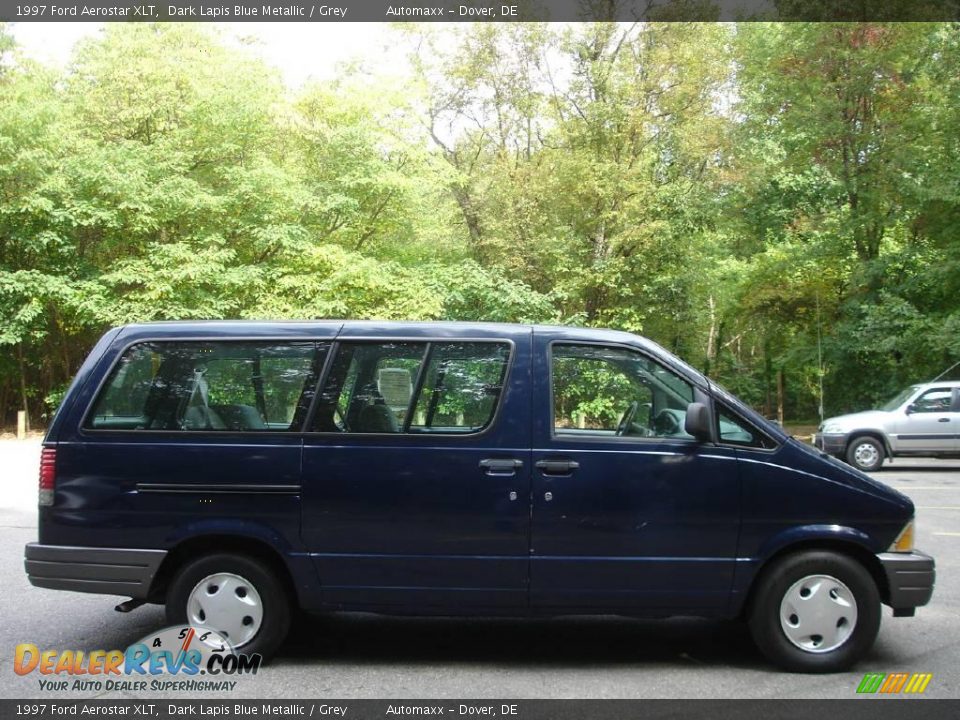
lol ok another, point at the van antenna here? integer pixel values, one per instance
(946, 371)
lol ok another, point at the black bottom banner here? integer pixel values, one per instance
(874, 708)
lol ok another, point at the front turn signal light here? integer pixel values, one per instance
(904, 541)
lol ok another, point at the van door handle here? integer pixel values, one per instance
(944, 420)
(557, 467)
(499, 467)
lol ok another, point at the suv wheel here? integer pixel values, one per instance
(815, 611)
(865, 453)
(238, 596)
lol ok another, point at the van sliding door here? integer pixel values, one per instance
(416, 472)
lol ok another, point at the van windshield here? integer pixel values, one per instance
(899, 399)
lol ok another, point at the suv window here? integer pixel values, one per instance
(934, 400)
(227, 386)
(612, 391)
(412, 387)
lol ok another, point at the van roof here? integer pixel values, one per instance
(366, 327)
(322, 329)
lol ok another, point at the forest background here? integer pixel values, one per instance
(778, 204)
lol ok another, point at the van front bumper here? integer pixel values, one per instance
(910, 580)
(108, 571)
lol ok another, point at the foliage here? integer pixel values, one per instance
(777, 203)
(847, 128)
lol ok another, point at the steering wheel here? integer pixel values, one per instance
(627, 418)
(666, 423)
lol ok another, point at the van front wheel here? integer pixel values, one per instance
(815, 611)
(238, 596)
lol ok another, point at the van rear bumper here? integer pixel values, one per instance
(108, 571)
(910, 578)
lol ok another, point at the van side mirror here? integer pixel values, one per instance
(911, 408)
(697, 422)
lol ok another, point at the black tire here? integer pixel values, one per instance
(865, 453)
(276, 610)
(765, 609)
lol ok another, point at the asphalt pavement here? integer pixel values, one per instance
(367, 656)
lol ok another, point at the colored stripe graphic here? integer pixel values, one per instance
(892, 683)
(918, 683)
(870, 683)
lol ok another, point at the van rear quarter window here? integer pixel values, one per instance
(209, 386)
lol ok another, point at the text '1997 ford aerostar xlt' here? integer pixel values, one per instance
(237, 470)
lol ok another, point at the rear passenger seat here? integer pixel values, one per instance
(201, 417)
(239, 417)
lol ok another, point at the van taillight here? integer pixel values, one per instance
(48, 475)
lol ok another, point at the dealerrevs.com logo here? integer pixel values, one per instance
(180, 658)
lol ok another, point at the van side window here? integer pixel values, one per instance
(462, 385)
(412, 387)
(225, 386)
(369, 387)
(608, 391)
(122, 400)
(733, 431)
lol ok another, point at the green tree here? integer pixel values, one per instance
(775, 202)
(843, 138)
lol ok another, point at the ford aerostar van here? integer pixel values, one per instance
(236, 471)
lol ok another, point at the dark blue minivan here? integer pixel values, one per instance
(236, 471)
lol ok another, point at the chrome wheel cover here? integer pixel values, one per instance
(229, 604)
(818, 613)
(866, 455)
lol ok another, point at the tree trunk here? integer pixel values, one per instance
(780, 396)
(767, 381)
(4, 399)
(471, 219)
(712, 337)
(23, 384)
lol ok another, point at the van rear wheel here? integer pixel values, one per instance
(815, 611)
(236, 595)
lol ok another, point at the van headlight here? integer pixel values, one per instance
(904, 541)
(829, 428)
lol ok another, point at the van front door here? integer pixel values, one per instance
(416, 477)
(629, 513)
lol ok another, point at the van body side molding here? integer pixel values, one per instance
(206, 489)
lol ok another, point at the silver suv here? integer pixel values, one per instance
(923, 420)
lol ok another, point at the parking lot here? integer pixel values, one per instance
(362, 656)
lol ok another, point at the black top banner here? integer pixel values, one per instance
(445, 11)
